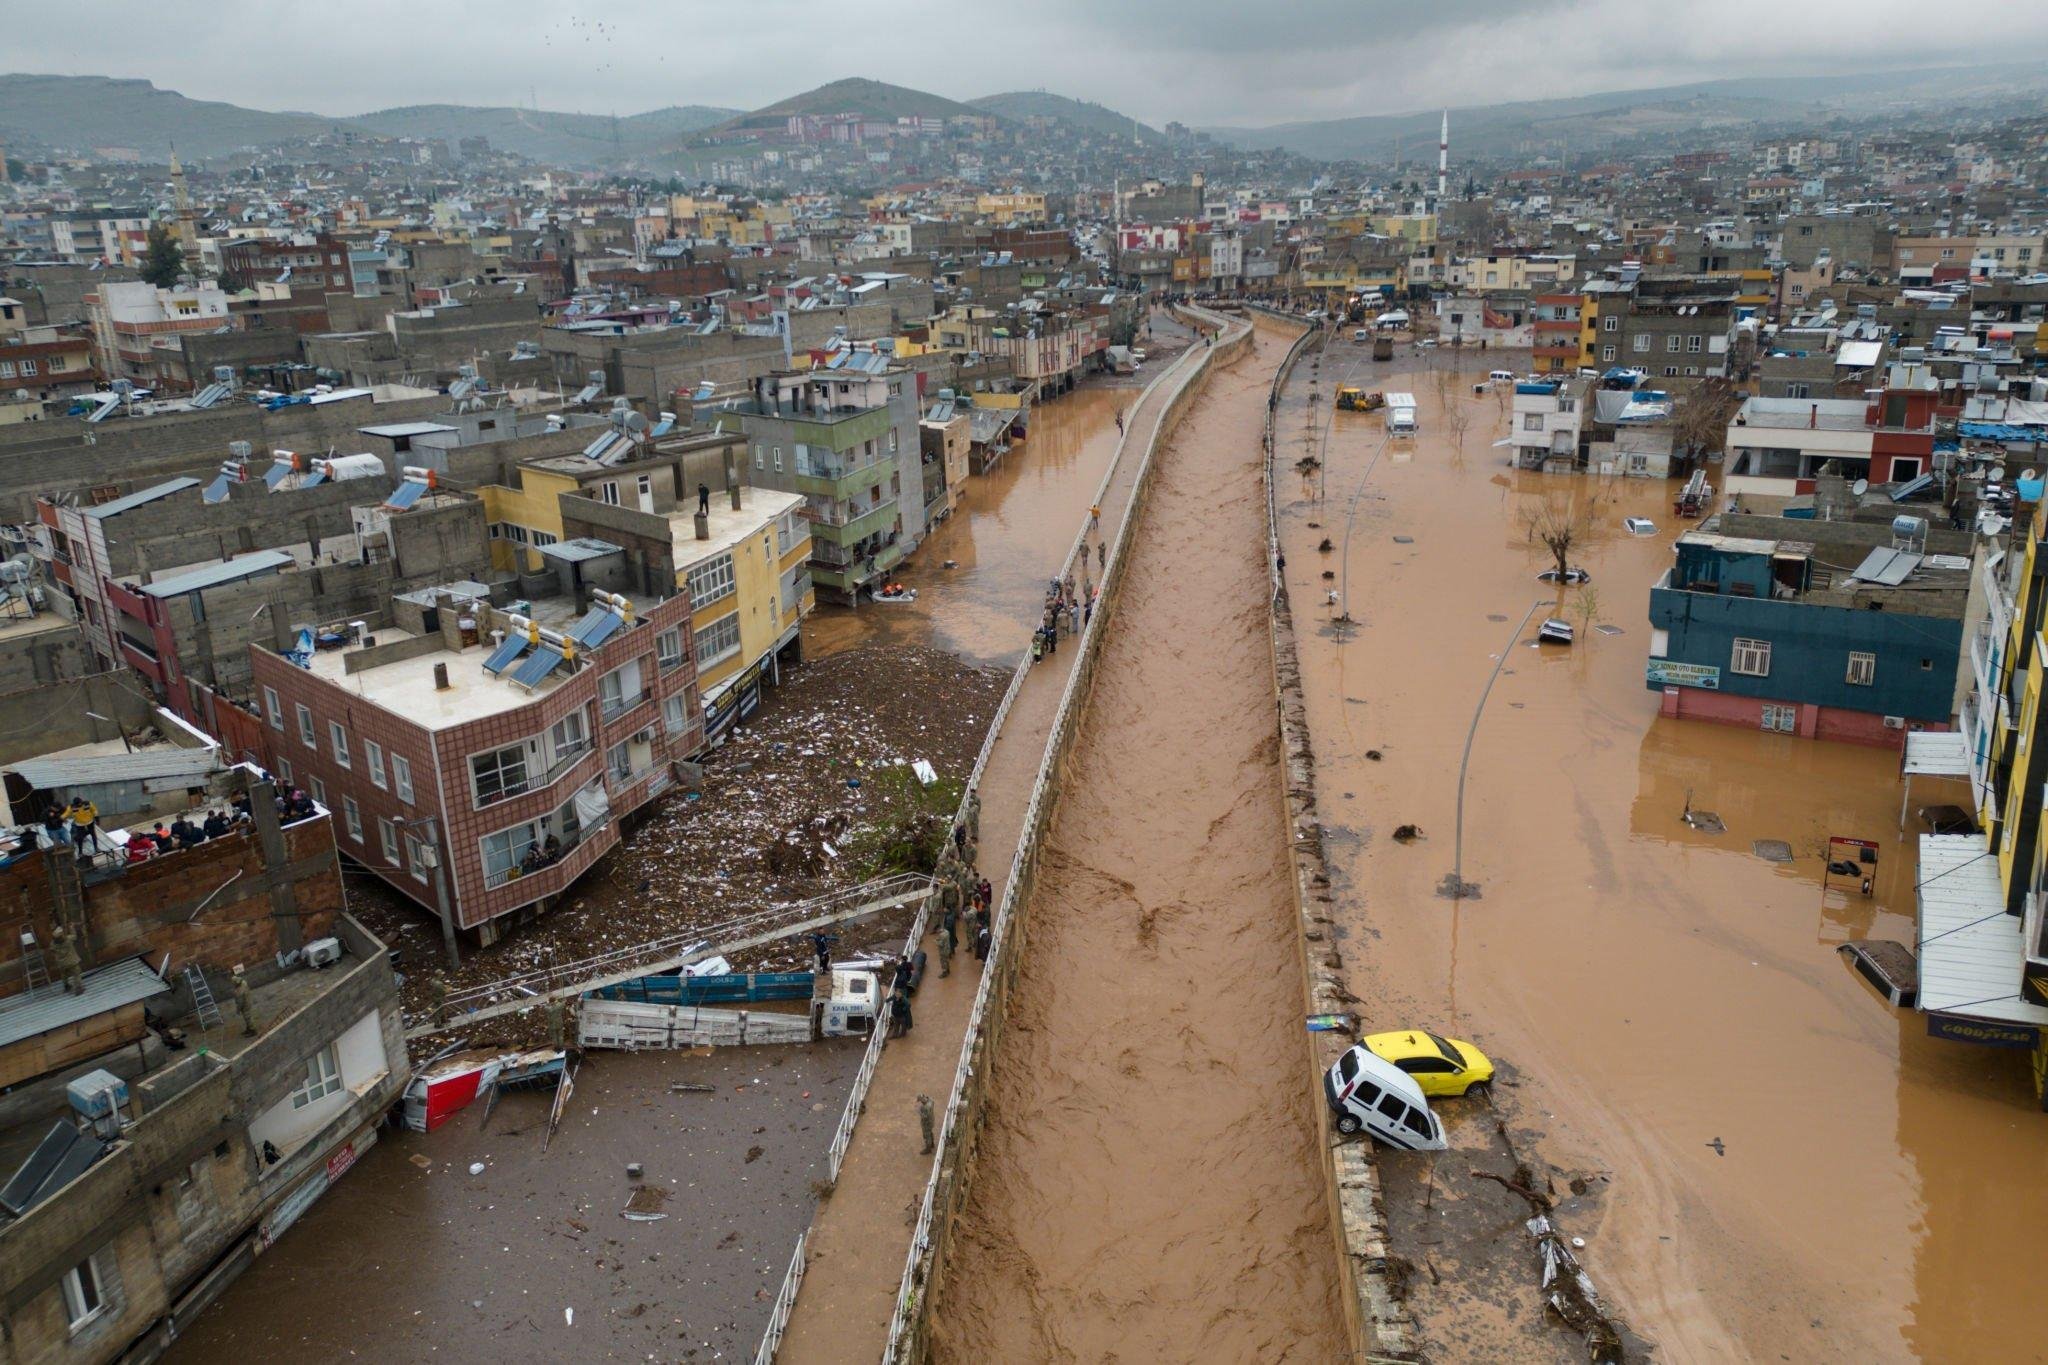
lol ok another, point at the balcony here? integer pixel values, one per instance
(836, 480)
(854, 529)
(614, 707)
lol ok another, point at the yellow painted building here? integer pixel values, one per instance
(1005, 209)
(749, 585)
(1419, 228)
(517, 515)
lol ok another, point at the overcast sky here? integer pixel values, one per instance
(1205, 62)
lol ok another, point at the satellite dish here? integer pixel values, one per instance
(1860, 487)
(2031, 476)
(1997, 474)
(635, 422)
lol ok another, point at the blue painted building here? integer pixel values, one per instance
(1831, 635)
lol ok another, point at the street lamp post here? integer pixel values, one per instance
(1457, 886)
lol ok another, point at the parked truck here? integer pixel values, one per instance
(1382, 348)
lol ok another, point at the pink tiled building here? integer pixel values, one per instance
(511, 744)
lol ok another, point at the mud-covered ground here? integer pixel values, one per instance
(411, 1257)
(779, 801)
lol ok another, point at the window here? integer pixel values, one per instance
(1673, 341)
(1607, 353)
(306, 727)
(778, 459)
(503, 850)
(1610, 323)
(498, 774)
(353, 814)
(373, 755)
(318, 790)
(338, 737)
(668, 648)
(759, 460)
(85, 1295)
(28, 369)
(569, 736)
(1670, 371)
(618, 761)
(619, 690)
(1532, 421)
(1693, 345)
(401, 777)
(608, 493)
(541, 538)
(1640, 341)
(1797, 391)
(515, 533)
(322, 1078)
(717, 640)
(387, 840)
(284, 771)
(273, 708)
(419, 853)
(675, 715)
(710, 581)
(1862, 669)
(1783, 719)
(1752, 658)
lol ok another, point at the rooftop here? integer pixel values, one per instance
(406, 685)
(758, 507)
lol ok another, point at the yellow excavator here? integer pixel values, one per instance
(1351, 398)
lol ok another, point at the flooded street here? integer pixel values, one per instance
(1008, 534)
(1773, 1164)
(1146, 1185)
(413, 1258)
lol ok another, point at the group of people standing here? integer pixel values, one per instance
(966, 898)
(1067, 612)
(78, 823)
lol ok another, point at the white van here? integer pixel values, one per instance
(1370, 1095)
(1501, 377)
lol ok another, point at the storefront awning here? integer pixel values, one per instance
(1970, 951)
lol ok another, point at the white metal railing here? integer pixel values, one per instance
(778, 1316)
(857, 1097)
(1026, 852)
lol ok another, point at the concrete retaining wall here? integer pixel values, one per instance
(1379, 1321)
(966, 1112)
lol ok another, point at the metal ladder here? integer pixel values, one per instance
(33, 971)
(202, 998)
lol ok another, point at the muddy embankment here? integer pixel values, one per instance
(1139, 1174)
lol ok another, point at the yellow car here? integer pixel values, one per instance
(1441, 1066)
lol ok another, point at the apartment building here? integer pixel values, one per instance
(1545, 421)
(1779, 447)
(146, 1178)
(1555, 326)
(846, 439)
(1668, 328)
(481, 757)
(128, 318)
(1753, 626)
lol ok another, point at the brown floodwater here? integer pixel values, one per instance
(1005, 540)
(1147, 1185)
(1647, 987)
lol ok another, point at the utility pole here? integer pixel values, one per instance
(1456, 888)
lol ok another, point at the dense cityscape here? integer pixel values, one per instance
(1581, 897)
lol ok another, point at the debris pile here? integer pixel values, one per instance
(778, 803)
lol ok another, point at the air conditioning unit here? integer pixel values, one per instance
(323, 952)
(1894, 722)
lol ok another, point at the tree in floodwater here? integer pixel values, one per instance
(1559, 524)
(1699, 420)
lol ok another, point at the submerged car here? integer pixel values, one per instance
(1571, 575)
(1441, 1066)
(1369, 1095)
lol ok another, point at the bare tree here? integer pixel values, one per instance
(1587, 608)
(1457, 419)
(1559, 524)
(1699, 421)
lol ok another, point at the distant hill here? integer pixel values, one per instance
(82, 112)
(572, 139)
(1586, 121)
(873, 99)
(1094, 118)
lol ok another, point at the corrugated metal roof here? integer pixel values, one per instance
(1937, 753)
(140, 498)
(579, 549)
(389, 429)
(56, 773)
(1970, 951)
(213, 575)
(51, 1007)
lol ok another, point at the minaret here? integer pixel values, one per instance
(188, 232)
(1443, 157)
